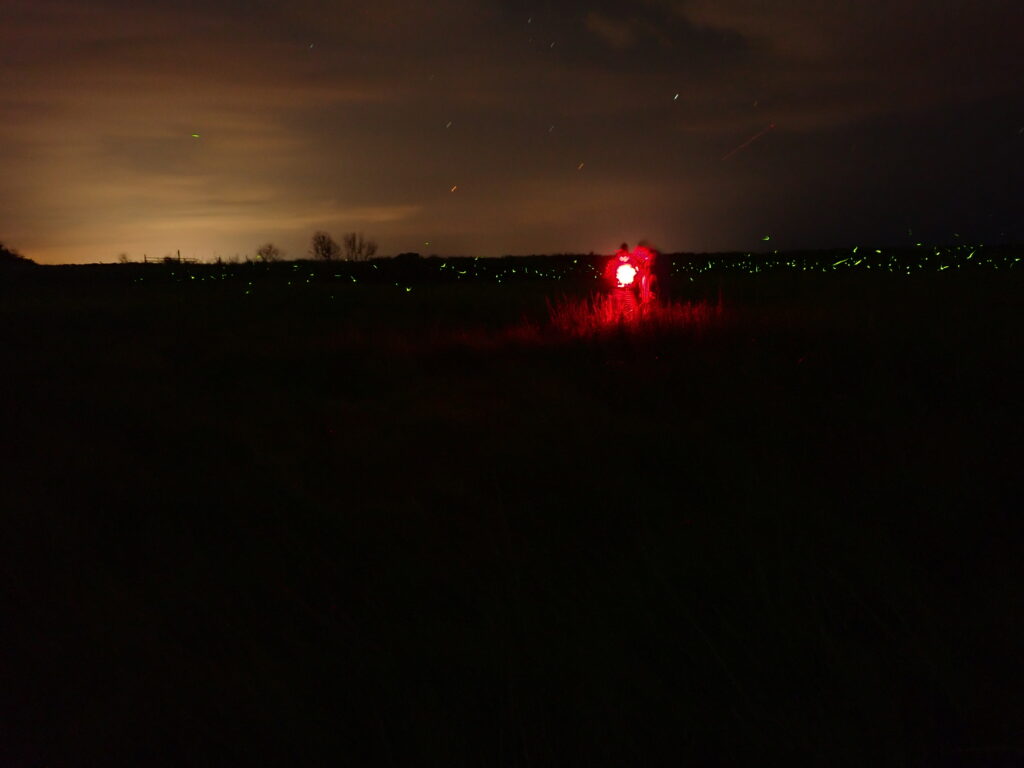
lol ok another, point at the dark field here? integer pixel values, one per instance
(385, 514)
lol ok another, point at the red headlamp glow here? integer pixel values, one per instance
(625, 274)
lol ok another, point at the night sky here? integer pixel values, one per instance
(488, 127)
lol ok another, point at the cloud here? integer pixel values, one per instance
(894, 39)
(616, 34)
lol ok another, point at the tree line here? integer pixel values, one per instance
(354, 247)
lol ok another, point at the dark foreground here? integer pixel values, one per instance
(384, 529)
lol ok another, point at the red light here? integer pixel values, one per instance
(625, 274)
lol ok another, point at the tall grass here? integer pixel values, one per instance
(600, 314)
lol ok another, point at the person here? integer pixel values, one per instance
(620, 272)
(644, 259)
(621, 258)
(631, 277)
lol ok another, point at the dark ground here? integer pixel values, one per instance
(279, 527)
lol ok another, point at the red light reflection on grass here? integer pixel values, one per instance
(602, 313)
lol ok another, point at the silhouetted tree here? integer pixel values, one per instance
(11, 258)
(323, 247)
(269, 252)
(357, 248)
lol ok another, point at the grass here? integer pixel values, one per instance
(321, 521)
(599, 314)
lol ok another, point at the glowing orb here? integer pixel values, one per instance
(625, 274)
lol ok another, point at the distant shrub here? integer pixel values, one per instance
(269, 252)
